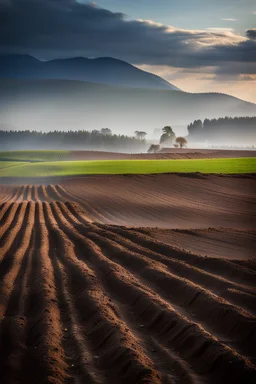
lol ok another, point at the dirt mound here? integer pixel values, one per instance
(209, 153)
(97, 155)
(165, 153)
(88, 302)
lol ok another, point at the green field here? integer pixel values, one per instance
(8, 164)
(69, 168)
(34, 156)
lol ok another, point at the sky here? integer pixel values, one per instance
(199, 45)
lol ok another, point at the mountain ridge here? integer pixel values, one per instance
(103, 70)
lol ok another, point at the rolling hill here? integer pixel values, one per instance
(72, 105)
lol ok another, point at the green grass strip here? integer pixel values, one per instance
(34, 155)
(114, 167)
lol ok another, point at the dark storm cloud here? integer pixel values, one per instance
(65, 28)
(251, 33)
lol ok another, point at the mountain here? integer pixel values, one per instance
(104, 70)
(72, 105)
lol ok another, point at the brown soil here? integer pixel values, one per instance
(227, 243)
(85, 301)
(163, 200)
(165, 153)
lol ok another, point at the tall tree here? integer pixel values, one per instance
(168, 130)
(168, 136)
(224, 130)
(195, 128)
(106, 131)
(140, 135)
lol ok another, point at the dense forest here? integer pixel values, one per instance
(238, 130)
(102, 140)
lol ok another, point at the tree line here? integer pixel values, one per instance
(102, 139)
(227, 129)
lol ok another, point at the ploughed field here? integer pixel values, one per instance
(90, 292)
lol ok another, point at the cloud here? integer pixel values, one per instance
(4, 4)
(247, 78)
(227, 19)
(65, 28)
(220, 29)
(251, 33)
(230, 77)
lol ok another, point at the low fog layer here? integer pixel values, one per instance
(72, 105)
(102, 140)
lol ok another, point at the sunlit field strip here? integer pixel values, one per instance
(111, 167)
